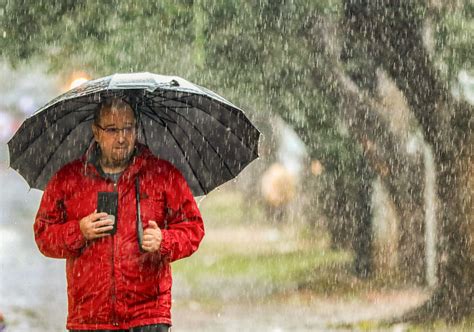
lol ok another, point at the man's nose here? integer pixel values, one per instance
(121, 136)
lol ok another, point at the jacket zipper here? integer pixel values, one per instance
(114, 290)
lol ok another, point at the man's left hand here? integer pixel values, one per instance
(152, 237)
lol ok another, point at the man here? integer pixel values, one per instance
(114, 283)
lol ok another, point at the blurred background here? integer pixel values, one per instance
(342, 223)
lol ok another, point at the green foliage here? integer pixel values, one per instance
(246, 49)
(261, 49)
(255, 53)
(23, 25)
(100, 36)
(454, 32)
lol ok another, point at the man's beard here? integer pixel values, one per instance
(118, 160)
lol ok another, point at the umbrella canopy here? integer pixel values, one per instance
(206, 137)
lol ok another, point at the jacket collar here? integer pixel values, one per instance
(91, 166)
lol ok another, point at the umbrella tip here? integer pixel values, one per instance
(174, 83)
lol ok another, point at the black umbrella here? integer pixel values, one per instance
(206, 137)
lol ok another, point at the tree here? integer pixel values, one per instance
(391, 34)
(259, 46)
(394, 34)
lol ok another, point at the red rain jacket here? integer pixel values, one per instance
(111, 284)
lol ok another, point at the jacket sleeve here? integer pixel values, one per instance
(185, 226)
(55, 236)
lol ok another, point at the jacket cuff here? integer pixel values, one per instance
(165, 246)
(74, 240)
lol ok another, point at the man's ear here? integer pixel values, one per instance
(95, 132)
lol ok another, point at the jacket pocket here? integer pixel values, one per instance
(153, 208)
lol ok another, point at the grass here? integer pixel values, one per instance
(267, 272)
(223, 208)
(249, 259)
(244, 251)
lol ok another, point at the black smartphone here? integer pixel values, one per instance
(108, 202)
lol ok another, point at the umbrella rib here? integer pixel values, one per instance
(55, 150)
(156, 117)
(161, 117)
(143, 131)
(229, 108)
(200, 133)
(67, 111)
(188, 95)
(183, 153)
(235, 111)
(64, 114)
(182, 100)
(189, 139)
(203, 136)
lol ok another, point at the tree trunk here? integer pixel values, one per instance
(383, 150)
(363, 239)
(406, 187)
(397, 41)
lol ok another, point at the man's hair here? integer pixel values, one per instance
(112, 102)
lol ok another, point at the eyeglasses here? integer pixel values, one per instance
(111, 131)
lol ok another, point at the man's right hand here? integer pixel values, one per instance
(92, 227)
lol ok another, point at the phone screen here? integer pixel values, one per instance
(108, 202)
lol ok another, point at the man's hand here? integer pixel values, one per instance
(152, 237)
(92, 227)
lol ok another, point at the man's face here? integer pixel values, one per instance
(116, 135)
